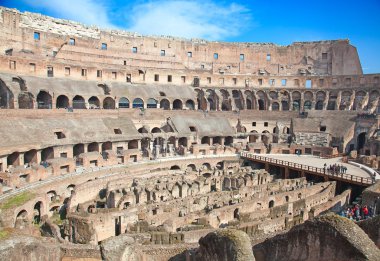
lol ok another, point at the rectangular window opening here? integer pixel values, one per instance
(241, 57)
(268, 57)
(37, 36)
(216, 56)
(72, 41)
(170, 78)
(283, 82)
(308, 84)
(99, 73)
(104, 46)
(156, 77)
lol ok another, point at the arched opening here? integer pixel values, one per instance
(220, 165)
(226, 103)
(205, 140)
(275, 106)
(190, 105)
(44, 100)
(133, 144)
(358, 102)
(307, 105)
(285, 105)
(175, 167)
(177, 104)
(253, 137)
(191, 167)
(142, 130)
(151, 104)
(78, 149)
(237, 96)
(165, 104)
(22, 219)
(47, 153)
(217, 140)
(79, 102)
(182, 141)
(271, 204)
(156, 130)
(287, 198)
(37, 212)
(108, 103)
(265, 137)
(319, 105)
(62, 102)
(296, 105)
(138, 103)
(206, 166)
(261, 105)
(30, 157)
(123, 103)
(94, 146)
(361, 140)
(13, 159)
(236, 214)
(94, 103)
(228, 141)
(25, 100)
(248, 103)
(106, 146)
(6, 96)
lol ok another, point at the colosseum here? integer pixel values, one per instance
(118, 146)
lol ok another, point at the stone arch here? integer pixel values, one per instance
(331, 104)
(275, 106)
(175, 167)
(201, 100)
(93, 102)
(108, 103)
(156, 130)
(47, 153)
(262, 100)
(78, 149)
(307, 105)
(165, 104)
(22, 220)
(151, 103)
(177, 104)
(93, 146)
(226, 184)
(25, 100)
(30, 157)
(265, 137)
(252, 137)
(123, 103)
(217, 140)
(238, 99)
(13, 159)
(191, 167)
(138, 103)
(206, 166)
(226, 103)
(143, 129)
(6, 96)
(107, 146)
(250, 101)
(361, 140)
(205, 140)
(62, 102)
(79, 102)
(212, 99)
(319, 105)
(345, 100)
(271, 204)
(37, 212)
(285, 105)
(44, 100)
(190, 105)
(320, 98)
(182, 141)
(228, 140)
(359, 97)
(133, 144)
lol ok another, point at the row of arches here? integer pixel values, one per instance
(44, 101)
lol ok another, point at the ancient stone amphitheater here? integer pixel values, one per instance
(117, 146)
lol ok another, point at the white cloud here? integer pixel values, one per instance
(91, 12)
(189, 19)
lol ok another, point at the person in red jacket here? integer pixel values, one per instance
(365, 211)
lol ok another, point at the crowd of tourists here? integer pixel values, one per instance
(358, 213)
(334, 169)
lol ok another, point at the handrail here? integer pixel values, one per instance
(299, 166)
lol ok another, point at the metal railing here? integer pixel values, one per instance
(311, 169)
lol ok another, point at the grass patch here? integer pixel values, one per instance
(3, 234)
(17, 200)
(56, 219)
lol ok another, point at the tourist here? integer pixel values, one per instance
(365, 212)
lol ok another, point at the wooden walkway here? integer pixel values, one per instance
(362, 181)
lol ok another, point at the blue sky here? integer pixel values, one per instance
(280, 22)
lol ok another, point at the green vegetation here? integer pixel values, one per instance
(17, 200)
(56, 219)
(3, 234)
